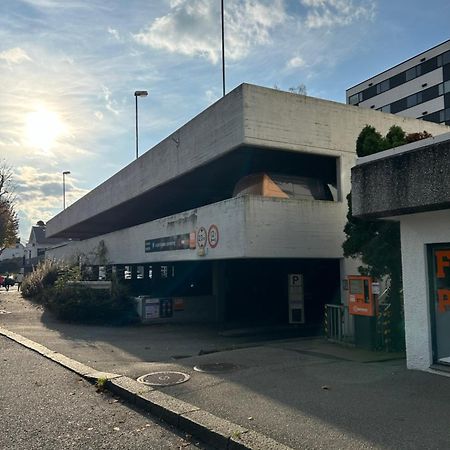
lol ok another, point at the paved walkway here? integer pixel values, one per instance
(304, 393)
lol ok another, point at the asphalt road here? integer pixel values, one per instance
(44, 406)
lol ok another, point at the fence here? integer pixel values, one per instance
(334, 322)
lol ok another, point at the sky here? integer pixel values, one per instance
(69, 70)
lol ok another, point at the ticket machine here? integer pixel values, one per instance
(362, 305)
(361, 299)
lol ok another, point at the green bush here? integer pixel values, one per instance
(76, 303)
(54, 285)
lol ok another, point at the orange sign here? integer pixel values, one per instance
(443, 293)
(361, 301)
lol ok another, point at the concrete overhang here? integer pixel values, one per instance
(409, 179)
(198, 163)
(248, 227)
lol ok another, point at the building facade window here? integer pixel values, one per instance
(401, 78)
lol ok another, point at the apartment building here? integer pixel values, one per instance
(418, 87)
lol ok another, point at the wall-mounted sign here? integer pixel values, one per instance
(376, 288)
(177, 242)
(213, 236)
(202, 237)
(192, 239)
(296, 298)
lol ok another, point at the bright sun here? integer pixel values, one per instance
(43, 128)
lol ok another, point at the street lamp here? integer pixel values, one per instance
(136, 95)
(66, 172)
(223, 47)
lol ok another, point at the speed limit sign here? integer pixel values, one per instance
(213, 236)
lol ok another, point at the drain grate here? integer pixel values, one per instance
(219, 367)
(166, 378)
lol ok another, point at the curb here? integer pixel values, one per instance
(205, 426)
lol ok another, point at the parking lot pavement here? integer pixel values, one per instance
(303, 393)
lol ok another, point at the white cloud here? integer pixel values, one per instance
(331, 13)
(110, 102)
(192, 27)
(212, 95)
(39, 194)
(14, 55)
(113, 32)
(296, 62)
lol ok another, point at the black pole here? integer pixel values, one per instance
(223, 50)
(137, 150)
(64, 191)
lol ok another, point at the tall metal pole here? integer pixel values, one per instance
(136, 95)
(137, 149)
(223, 50)
(66, 172)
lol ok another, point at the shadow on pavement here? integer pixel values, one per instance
(306, 393)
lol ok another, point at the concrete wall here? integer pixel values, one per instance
(249, 227)
(408, 179)
(296, 122)
(418, 230)
(308, 229)
(249, 115)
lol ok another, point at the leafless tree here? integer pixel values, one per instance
(9, 223)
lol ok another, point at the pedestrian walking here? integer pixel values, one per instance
(19, 279)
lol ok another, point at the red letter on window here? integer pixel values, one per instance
(443, 299)
(440, 255)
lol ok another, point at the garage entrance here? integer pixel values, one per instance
(256, 291)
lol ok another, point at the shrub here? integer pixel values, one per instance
(53, 284)
(42, 277)
(76, 303)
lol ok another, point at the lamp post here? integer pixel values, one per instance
(136, 95)
(66, 172)
(223, 47)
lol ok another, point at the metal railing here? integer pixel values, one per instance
(334, 322)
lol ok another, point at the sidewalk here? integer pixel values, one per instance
(303, 393)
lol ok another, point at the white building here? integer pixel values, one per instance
(236, 216)
(38, 243)
(13, 252)
(418, 87)
(410, 184)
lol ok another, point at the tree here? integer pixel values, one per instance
(377, 242)
(395, 137)
(9, 223)
(369, 141)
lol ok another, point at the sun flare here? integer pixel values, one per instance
(43, 128)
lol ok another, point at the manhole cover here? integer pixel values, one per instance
(164, 378)
(216, 367)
